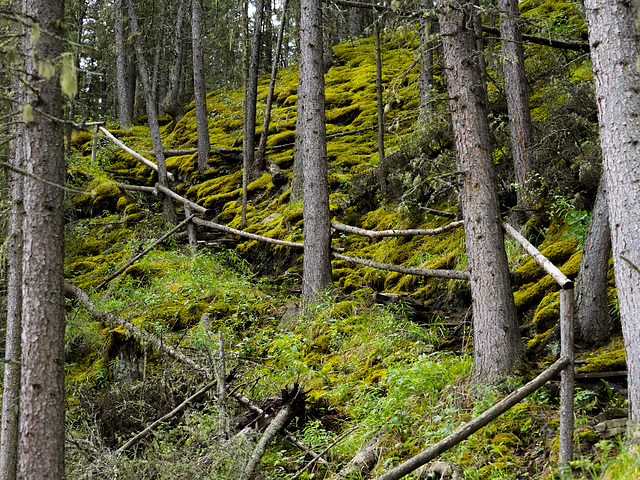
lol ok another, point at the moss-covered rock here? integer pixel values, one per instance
(607, 362)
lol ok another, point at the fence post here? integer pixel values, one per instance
(566, 378)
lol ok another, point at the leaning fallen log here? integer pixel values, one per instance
(425, 272)
(362, 462)
(139, 334)
(375, 234)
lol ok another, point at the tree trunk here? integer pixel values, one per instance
(245, 104)
(168, 207)
(593, 321)
(262, 145)
(252, 94)
(517, 104)
(124, 101)
(172, 102)
(614, 52)
(356, 22)
(199, 89)
(497, 347)
(13, 345)
(382, 173)
(297, 181)
(42, 400)
(159, 52)
(82, 9)
(317, 220)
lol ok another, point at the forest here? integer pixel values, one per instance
(330, 240)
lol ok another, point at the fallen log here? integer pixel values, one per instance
(132, 152)
(252, 236)
(425, 272)
(375, 234)
(318, 458)
(193, 206)
(139, 334)
(362, 462)
(137, 188)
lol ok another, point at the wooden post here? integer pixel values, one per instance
(94, 144)
(191, 231)
(566, 378)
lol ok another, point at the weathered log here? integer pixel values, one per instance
(144, 252)
(439, 213)
(193, 206)
(272, 430)
(132, 152)
(611, 428)
(164, 418)
(476, 424)
(540, 259)
(252, 236)
(567, 308)
(362, 463)
(139, 334)
(137, 188)
(374, 234)
(425, 272)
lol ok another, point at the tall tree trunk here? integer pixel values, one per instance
(172, 102)
(13, 345)
(168, 207)
(356, 22)
(42, 399)
(517, 104)
(593, 321)
(159, 53)
(297, 181)
(82, 9)
(262, 145)
(317, 220)
(497, 346)
(614, 53)
(382, 173)
(252, 93)
(124, 101)
(199, 87)
(245, 105)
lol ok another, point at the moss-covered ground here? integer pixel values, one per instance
(397, 373)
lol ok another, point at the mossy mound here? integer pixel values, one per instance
(607, 362)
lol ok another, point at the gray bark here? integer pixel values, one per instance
(382, 173)
(42, 399)
(356, 22)
(498, 349)
(252, 93)
(614, 53)
(593, 321)
(297, 182)
(13, 345)
(124, 101)
(517, 102)
(159, 53)
(172, 103)
(317, 219)
(262, 145)
(168, 208)
(199, 89)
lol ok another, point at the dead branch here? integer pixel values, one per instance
(549, 42)
(252, 236)
(137, 188)
(439, 213)
(193, 206)
(540, 259)
(139, 334)
(221, 374)
(145, 251)
(272, 430)
(132, 152)
(477, 423)
(319, 457)
(166, 417)
(425, 272)
(375, 234)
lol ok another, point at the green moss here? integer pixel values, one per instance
(539, 340)
(588, 436)
(548, 312)
(556, 253)
(506, 438)
(606, 362)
